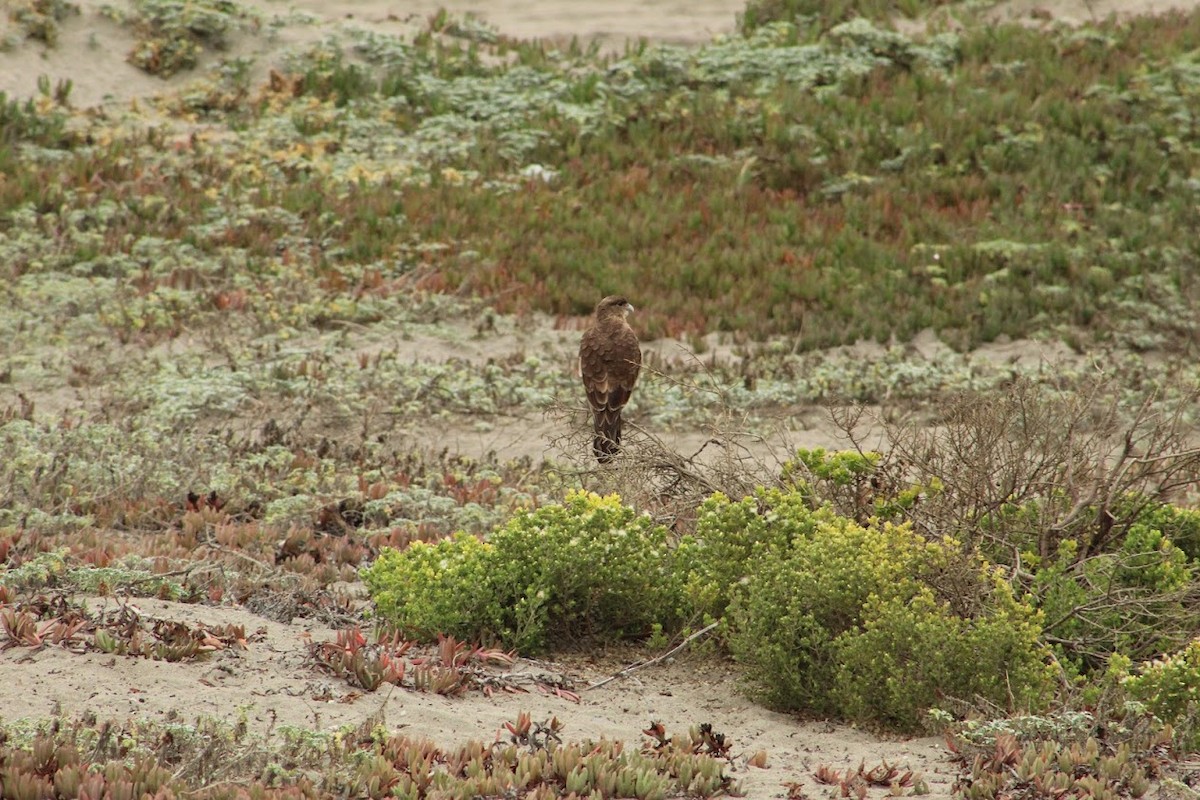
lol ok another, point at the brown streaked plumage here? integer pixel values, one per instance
(609, 361)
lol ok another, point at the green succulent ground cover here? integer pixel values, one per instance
(216, 760)
(219, 292)
(837, 182)
(862, 184)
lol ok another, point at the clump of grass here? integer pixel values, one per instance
(32, 123)
(40, 19)
(173, 33)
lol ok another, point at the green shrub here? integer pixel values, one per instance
(857, 484)
(840, 468)
(1170, 688)
(427, 589)
(589, 567)
(1180, 525)
(29, 122)
(1131, 601)
(874, 622)
(797, 602)
(871, 622)
(910, 652)
(714, 559)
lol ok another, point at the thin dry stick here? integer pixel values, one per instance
(639, 664)
(237, 554)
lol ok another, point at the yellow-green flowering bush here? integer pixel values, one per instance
(589, 567)
(870, 622)
(1131, 600)
(839, 467)
(1170, 688)
(713, 561)
(797, 601)
(427, 589)
(911, 651)
(847, 621)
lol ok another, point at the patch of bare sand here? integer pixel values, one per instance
(274, 683)
(92, 48)
(609, 23)
(1081, 12)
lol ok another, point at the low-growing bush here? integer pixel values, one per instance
(1170, 688)
(871, 622)
(427, 589)
(589, 567)
(874, 622)
(714, 560)
(1027, 468)
(1050, 484)
(1133, 600)
(911, 652)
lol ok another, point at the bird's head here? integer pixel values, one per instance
(613, 306)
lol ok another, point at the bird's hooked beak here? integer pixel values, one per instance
(629, 309)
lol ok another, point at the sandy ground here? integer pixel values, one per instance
(92, 48)
(273, 678)
(1079, 12)
(277, 684)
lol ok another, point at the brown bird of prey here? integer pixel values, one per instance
(609, 361)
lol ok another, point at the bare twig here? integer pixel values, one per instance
(650, 662)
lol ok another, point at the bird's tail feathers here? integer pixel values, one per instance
(607, 442)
